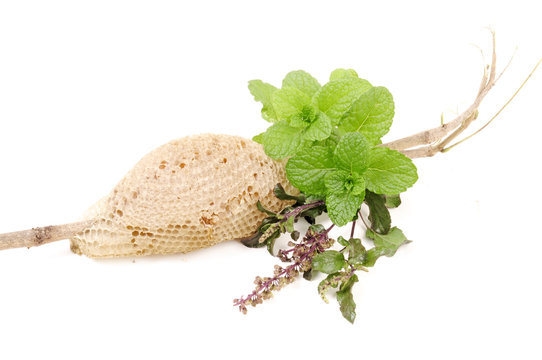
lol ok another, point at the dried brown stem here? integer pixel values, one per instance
(41, 235)
(428, 143)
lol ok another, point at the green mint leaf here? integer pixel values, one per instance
(342, 207)
(379, 216)
(258, 138)
(289, 102)
(352, 153)
(389, 242)
(389, 171)
(281, 140)
(341, 181)
(328, 262)
(346, 299)
(302, 81)
(371, 115)
(263, 93)
(393, 201)
(336, 97)
(357, 252)
(320, 129)
(307, 169)
(342, 73)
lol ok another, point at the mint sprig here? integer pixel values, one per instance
(306, 111)
(330, 134)
(342, 173)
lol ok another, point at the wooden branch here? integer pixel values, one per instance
(41, 235)
(432, 141)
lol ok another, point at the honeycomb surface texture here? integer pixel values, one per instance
(187, 194)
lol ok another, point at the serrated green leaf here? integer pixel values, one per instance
(389, 171)
(393, 201)
(302, 81)
(379, 216)
(328, 262)
(263, 93)
(289, 101)
(342, 73)
(342, 207)
(320, 129)
(307, 169)
(371, 115)
(341, 181)
(337, 97)
(281, 140)
(352, 153)
(390, 241)
(346, 299)
(258, 138)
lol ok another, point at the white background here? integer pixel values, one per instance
(88, 88)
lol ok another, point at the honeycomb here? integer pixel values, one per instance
(188, 194)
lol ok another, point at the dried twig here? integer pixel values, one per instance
(430, 142)
(41, 235)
